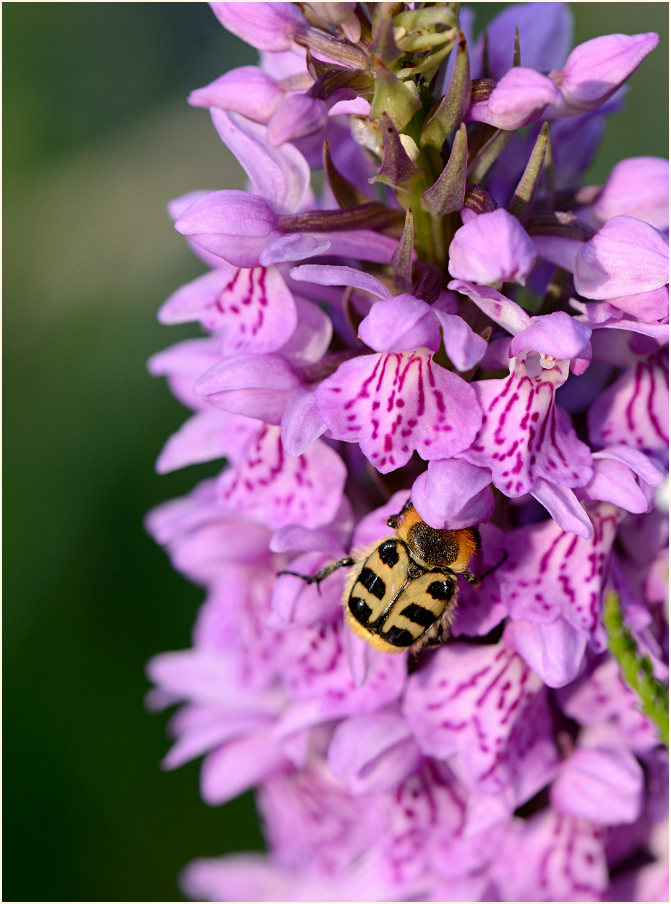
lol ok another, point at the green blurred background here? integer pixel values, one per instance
(97, 137)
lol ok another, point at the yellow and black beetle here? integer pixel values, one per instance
(402, 593)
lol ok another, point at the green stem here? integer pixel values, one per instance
(636, 670)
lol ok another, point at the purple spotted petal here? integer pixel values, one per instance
(637, 187)
(495, 305)
(247, 90)
(634, 411)
(253, 309)
(279, 490)
(400, 323)
(453, 494)
(604, 787)
(552, 573)
(373, 752)
(395, 403)
(266, 26)
(319, 681)
(625, 257)
(551, 857)
(481, 607)
(230, 224)
(246, 384)
(280, 175)
(466, 701)
(491, 248)
(602, 699)
(524, 435)
(554, 650)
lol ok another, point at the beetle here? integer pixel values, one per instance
(401, 594)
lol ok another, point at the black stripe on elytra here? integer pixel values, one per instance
(359, 609)
(372, 583)
(397, 637)
(388, 553)
(441, 590)
(419, 615)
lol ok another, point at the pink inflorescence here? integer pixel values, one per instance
(451, 317)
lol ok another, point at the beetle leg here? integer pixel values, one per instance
(323, 573)
(473, 580)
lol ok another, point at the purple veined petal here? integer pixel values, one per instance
(259, 387)
(238, 766)
(400, 323)
(554, 650)
(330, 275)
(519, 98)
(551, 573)
(558, 250)
(278, 490)
(247, 90)
(551, 857)
(600, 698)
(525, 436)
(207, 435)
(625, 257)
(298, 116)
(453, 494)
(496, 306)
(466, 701)
(491, 248)
(637, 187)
(279, 175)
(392, 404)
(230, 224)
(266, 26)
(319, 681)
(634, 411)
(595, 69)
(182, 364)
(557, 335)
(464, 348)
(374, 752)
(301, 422)
(546, 35)
(282, 247)
(313, 823)
(604, 787)
(648, 306)
(564, 506)
(253, 309)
